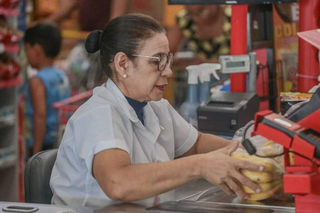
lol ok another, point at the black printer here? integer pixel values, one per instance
(225, 112)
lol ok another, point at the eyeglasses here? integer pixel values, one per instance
(163, 60)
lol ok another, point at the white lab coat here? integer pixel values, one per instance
(107, 121)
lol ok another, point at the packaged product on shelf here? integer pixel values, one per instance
(9, 68)
(292, 100)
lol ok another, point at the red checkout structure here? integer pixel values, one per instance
(302, 177)
(308, 55)
(302, 136)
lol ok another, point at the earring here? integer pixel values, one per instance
(125, 76)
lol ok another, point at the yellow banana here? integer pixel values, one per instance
(268, 143)
(291, 157)
(268, 151)
(258, 177)
(264, 195)
(265, 162)
(263, 186)
(260, 196)
(240, 155)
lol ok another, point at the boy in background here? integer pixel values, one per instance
(49, 85)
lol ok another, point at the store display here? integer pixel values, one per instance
(8, 34)
(308, 109)
(9, 7)
(9, 68)
(10, 37)
(285, 27)
(7, 116)
(291, 100)
(9, 4)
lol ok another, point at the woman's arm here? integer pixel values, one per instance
(124, 181)
(208, 143)
(121, 180)
(38, 95)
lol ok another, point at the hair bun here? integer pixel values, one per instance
(93, 41)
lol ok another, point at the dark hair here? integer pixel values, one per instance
(122, 34)
(47, 35)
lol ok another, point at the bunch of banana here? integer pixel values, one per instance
(270, 149)
(269, 180)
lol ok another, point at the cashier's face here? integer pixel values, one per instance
(144, 81)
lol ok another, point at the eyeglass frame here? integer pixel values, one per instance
(168, 62)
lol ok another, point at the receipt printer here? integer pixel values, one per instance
(225, 112)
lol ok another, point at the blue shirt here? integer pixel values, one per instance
(57, 88)
(138, 107)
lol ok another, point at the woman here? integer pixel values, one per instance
(126, 143)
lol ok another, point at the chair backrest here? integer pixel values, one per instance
(37, 177)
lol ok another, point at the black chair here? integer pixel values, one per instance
(37, 177)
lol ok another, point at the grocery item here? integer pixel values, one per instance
(269, 180)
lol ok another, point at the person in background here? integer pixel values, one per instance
(49, 85)
(203, 29)
(93, 15)
(126, 143)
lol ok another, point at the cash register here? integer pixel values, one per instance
(225, 112)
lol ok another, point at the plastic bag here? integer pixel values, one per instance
(264, 147)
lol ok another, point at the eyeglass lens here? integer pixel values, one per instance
(165, 60)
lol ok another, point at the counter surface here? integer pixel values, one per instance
(198, 196)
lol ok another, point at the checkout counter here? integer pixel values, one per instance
(198, 196)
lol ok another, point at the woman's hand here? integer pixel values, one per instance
(220, 169)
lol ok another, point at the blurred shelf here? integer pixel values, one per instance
(8, 120)
(10, 48)
(10, 83)
(262, 44)
(9, 12)
(8, 157)
(7, 116)
(82, 35)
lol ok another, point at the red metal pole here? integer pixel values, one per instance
(238, 43)
(308, 64)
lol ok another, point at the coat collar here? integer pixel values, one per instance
(122, 101)
(115, 96)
